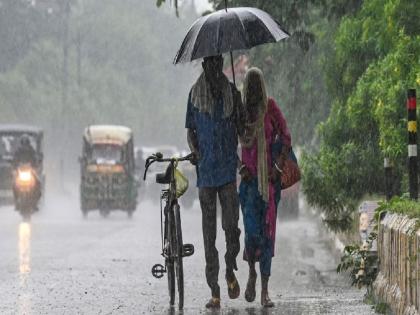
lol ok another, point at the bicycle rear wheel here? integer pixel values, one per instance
(179, 268)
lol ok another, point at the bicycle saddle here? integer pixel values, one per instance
(164, 178)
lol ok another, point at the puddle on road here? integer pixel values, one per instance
(24, 250)
(292, 306)
(24, 299)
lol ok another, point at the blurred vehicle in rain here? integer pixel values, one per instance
(152, 190)
(10, 136)
(289, 203)
(139, 170)
(107, 166)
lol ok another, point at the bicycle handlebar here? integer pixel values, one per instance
(158, 157)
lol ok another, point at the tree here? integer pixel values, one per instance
(160, 2)
(127, 76)
(374, 63)
(294, 68)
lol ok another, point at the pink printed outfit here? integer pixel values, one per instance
(259, 215)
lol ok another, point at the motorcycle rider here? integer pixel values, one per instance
(26, 154)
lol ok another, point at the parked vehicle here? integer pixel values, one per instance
(10, 136)
(108, 180)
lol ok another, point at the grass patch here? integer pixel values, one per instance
(401, 205)
(378, 307)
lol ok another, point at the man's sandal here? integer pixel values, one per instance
(213, 303)
(233, 287)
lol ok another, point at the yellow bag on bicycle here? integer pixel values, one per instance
(181, 183)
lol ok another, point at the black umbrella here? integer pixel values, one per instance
(228, 30)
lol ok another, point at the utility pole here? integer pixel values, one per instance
(389, 190)
(412, 143)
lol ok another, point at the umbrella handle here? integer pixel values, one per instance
(231, 55)
(233, 68)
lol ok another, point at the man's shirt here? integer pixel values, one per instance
(217, 144)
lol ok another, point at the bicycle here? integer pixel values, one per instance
(173, 249)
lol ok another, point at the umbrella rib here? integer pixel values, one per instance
(263, 21)
(265, 25)
(243, 27)
(203, 21)
(218, 34)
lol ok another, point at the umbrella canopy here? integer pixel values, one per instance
(228, 30)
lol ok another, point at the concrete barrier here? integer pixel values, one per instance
(398, 281)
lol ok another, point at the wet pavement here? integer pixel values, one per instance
(60, 263)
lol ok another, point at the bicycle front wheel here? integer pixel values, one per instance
(179, 269)
(171, 281)
(169, 261)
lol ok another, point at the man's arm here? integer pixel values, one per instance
(192, 140)
(34, 157)
(16, 158)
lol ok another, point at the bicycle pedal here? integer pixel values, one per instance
(158, 270)
(187, 250)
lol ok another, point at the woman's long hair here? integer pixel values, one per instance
(255, 131)
(256, 73)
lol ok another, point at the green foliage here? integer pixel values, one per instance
(339, 8)
(160, 2)
(361, 263)
(382, 308)
(376, 59)
(126, 72)
(20, 25)
(335, 168)
(378, 307)
(295, 68)
(402, 205)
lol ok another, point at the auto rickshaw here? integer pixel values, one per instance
(9, 141)
(108, 180)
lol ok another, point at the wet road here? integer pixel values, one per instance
(63, 264)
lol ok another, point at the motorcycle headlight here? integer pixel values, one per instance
(25, 176)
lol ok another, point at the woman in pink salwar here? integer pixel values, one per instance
(260, 188)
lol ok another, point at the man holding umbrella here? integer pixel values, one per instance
(214, 122)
